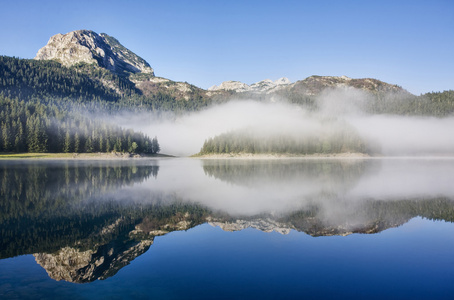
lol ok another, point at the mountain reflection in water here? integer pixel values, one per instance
(84, 221)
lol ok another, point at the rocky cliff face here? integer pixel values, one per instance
(72, 265)
(86, 46)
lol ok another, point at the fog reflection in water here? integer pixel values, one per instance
(250, 187)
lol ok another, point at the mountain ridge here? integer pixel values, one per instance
(84, 67)
(102, 50)
(311, 85)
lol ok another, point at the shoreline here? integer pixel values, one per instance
(233, 156)
(280, 156)
(80, 156)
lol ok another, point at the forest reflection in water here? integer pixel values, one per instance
(85, 220)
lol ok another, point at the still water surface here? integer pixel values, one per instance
(227, 229)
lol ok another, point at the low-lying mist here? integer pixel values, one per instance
(389, 135)
(398, 135)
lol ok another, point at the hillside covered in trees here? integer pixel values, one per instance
(45, 107)
(93, 88)
(33, 126)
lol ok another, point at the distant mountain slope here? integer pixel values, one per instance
(312, 85)
(26, 78)
(264, 86)
(315, 84)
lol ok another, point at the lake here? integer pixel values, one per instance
(180, 228)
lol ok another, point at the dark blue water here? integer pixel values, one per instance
(368, 229)
(413, 261)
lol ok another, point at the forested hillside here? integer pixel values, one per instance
(26, 78)
(435, 104)
(36, 127)
(93, 88)
(44, 107)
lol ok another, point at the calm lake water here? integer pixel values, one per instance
(227, 229)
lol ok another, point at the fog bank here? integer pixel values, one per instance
(399, 136)
(389, 135)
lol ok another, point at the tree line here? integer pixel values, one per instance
(337, 137)
(36, 127)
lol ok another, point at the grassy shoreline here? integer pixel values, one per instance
(80, 156)
(128, 156)
(279, 155)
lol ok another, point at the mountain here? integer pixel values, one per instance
(101, 50)
(312, 85)
(92, 54)
(86, 46)
(264, 86)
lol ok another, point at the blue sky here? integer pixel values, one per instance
(409, 43)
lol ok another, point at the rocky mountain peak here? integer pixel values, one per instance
(231, 85)
(313, 85)
(282, 81)
(86, 46)
(264, 86)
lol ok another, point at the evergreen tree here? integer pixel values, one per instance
(5, 137)
(155, 148)
(76, 143)
(89, 145)
(67, 143)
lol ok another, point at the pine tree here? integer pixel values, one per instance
(5, 136)
(101, 143)
(67, 142)
(155, 148)
(107, 145)
(76, 143)
(89, 145)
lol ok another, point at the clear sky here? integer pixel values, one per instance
(409, 43)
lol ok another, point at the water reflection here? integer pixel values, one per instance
(86, 220)
(46, 204)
